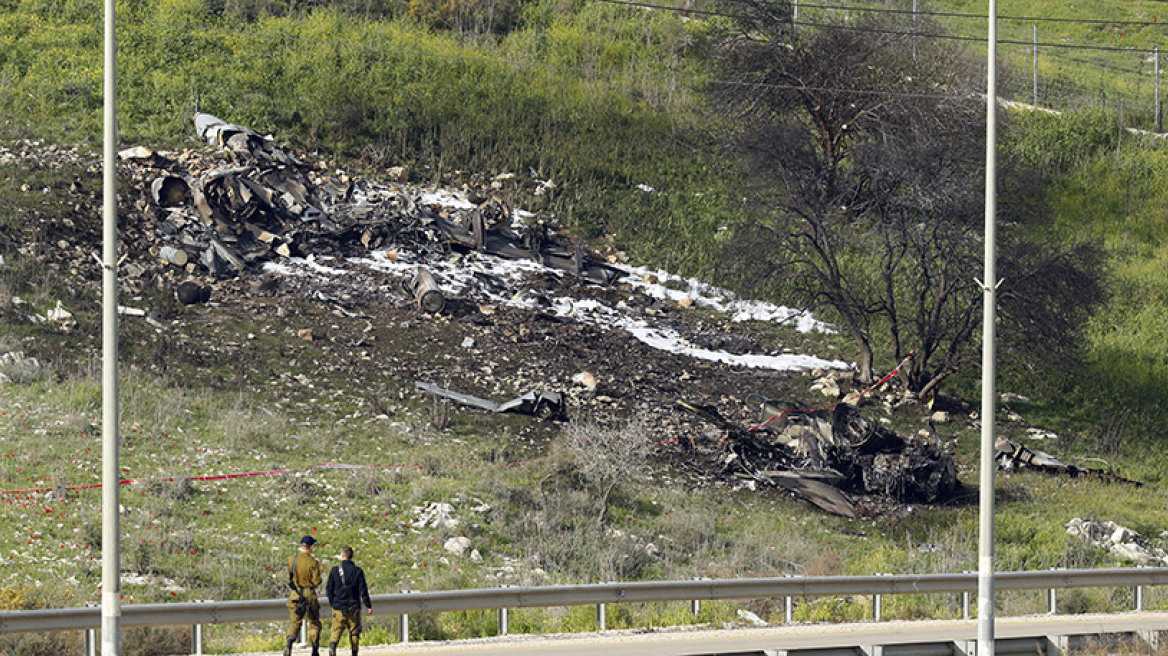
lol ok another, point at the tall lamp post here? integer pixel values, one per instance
(111, 582)
(985, 544)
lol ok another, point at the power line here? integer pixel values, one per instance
(881, 10)
(923, 35)
(1021, 19)
(612, 73)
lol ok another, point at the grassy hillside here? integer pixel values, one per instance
(597, 99)
(547, 102)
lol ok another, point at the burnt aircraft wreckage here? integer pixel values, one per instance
(261, 203)
(828, 457)
(271, 204)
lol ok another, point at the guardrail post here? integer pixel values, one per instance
(790, 607)
(877, 602)
(695, 607)
(504, 623)
(197, 636)
(1139, 597)
(303, 632)
(403, 626)
(601, 619)
(965, 605)
(90, 638)
(197, 640)
(1051, 601)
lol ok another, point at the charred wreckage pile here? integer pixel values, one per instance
(222, 219)
(225, 219)
(834, 458)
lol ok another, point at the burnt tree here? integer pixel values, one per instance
(865, 149)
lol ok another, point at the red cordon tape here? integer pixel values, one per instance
(854, 395)
(418, 465)
(826, 407)
(210, 477)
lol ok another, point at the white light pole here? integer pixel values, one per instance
(111, 582)
(985, 542)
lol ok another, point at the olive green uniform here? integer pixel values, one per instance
(304, 575)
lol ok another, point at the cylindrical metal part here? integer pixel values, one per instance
(426, 292)
(175, 256)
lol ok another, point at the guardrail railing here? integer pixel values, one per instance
(407, 603)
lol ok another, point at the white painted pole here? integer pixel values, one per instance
(111, 584)
(985, 542)
(1159, 114)
(1034, 62)
(914, 39)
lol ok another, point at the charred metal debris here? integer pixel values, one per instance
(222, 218)
(542, 404)
(1012, 456)
(834, 458)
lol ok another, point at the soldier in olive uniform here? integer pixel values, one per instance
(303, 578)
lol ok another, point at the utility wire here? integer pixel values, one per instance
(881, 10)
(613, 73)
(923, 35)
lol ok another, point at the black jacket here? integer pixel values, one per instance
(347, 592)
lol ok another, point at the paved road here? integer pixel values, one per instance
(695, 642)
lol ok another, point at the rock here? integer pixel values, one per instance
(585, 379)
(751, 618)
(436, 515)
(827, 386)
(61, 318)
(457, 545)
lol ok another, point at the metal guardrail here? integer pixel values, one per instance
(406, 603)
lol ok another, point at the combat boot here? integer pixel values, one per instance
(315, 650)
(332, 649)
(288, 647)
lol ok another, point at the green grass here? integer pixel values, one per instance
(363, 89)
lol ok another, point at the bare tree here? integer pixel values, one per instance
(865, 150)
(606, 458)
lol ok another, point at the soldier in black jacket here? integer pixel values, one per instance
(346, 592)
